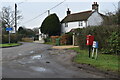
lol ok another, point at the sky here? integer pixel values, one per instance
(30, 9)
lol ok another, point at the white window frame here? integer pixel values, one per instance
(80, 23)
(66, 24)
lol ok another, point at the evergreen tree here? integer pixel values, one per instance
(51, 25)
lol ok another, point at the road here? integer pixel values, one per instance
(33, 60)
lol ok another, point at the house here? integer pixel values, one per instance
(82, 19)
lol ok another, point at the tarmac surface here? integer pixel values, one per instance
(34, 60)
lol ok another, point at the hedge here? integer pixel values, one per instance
(13, 38)
(102, 35)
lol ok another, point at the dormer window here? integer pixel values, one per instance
(66, 24)
(80, 23)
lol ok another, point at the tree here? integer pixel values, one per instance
(51, 25)
(8, 17)
(36, 30)
(26, 32)
(21, 30)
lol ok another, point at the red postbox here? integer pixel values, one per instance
(90, 39)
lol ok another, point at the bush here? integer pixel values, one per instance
(114, 42)
(13, 38)
(27, 39)
(66, 39)
(101, 33)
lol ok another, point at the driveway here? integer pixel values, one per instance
(33, 60)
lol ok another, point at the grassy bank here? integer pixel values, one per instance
(9, 45)
(104, 61)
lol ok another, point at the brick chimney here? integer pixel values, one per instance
(68, 12)
(95, 6)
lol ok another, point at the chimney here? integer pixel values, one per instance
(95, 6)
(68, 12)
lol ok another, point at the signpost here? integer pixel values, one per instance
(90, 40)
(9, 29)
(95, 46)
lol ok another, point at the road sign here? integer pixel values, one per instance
(95, 44)
(9, 29)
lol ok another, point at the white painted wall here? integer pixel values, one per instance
(95, 19)
(72, 25)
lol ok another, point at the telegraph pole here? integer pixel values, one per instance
(15, 17)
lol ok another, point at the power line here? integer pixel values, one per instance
(44, 12)
(57, 5)
(35, 17)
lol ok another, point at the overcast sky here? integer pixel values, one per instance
(32, 8)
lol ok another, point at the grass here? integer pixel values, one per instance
(104, 61)
(9, 45)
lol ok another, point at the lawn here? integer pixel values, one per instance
(9, 45)
(104, 61)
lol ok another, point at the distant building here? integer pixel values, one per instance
(82, 19)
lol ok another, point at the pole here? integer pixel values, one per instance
(89, 50)
(73, 39)
(15, 17)
(9, 37)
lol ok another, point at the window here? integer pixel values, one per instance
(80, 23)
(66, 24)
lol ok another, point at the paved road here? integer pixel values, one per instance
(32, 60)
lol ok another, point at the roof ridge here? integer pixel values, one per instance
(81, 12)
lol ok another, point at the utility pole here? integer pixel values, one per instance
(15, 17)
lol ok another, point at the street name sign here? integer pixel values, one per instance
(9, 29)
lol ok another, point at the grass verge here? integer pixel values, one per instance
(103, 62)
(9, 45)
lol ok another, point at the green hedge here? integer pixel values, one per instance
(14, 38)
(102, 35)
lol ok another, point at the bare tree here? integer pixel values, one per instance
(8, 17)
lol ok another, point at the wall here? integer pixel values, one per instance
(95, 19)
(72, 25)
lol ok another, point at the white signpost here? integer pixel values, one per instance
(95, 47)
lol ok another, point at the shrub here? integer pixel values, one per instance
(114, 42)
(102, 35)
(66, 39)
(53, 38)
(27, 39)
(13, 38)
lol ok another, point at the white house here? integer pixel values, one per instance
(82, 19)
